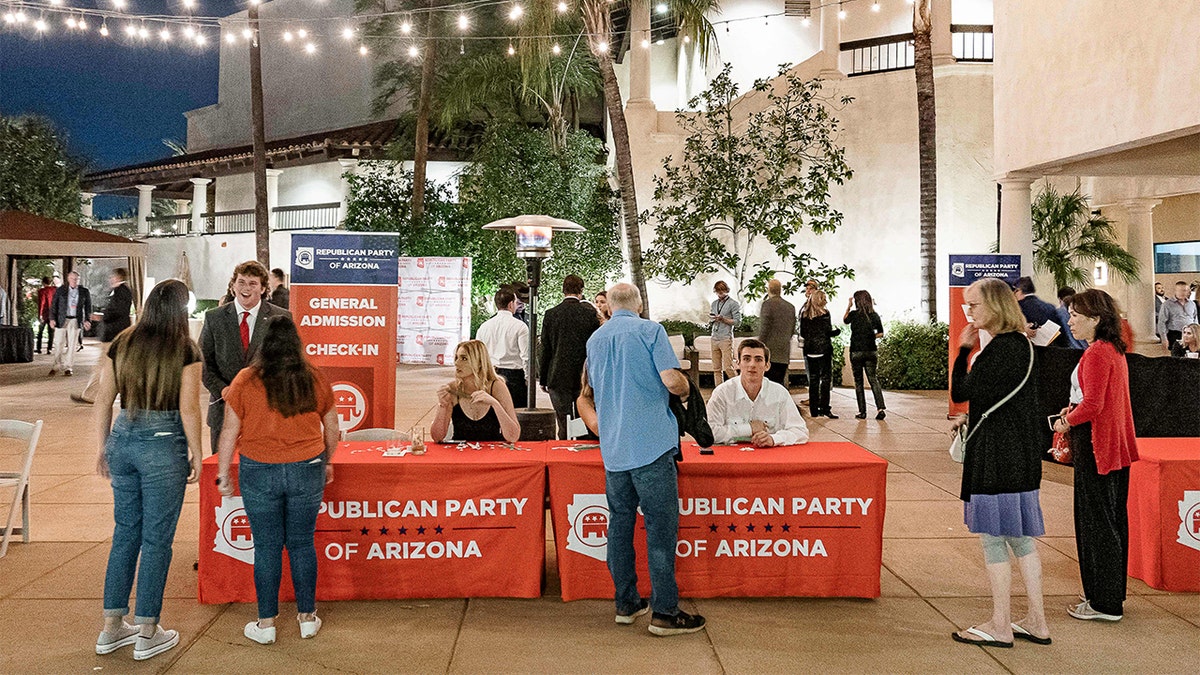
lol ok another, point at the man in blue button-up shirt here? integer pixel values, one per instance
(633, 370)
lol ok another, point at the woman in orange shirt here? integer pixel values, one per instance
(280, 417)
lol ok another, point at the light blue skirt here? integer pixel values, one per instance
(1005, 515)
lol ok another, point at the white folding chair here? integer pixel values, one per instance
(21, 431)
(375, 435)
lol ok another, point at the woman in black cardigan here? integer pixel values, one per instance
(1002, 469)
(817, 329)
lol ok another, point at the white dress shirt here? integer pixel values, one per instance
(730, 411)
(507, 340)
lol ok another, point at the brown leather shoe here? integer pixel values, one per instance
(52, 372)
(67, 373)
(79, 399)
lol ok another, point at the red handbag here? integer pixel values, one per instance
(1060, 449)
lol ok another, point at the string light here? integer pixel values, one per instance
(201, 40)
(131, 30)
(287, 36)
(56, 3)
(661, 8)
(348, 33)
(41, 25)
(10, 18)
(70, 22)
(104, 29)
(556, 49)
(875, 7)
(511, 49)
(120, 4)
(164, 35)
(143, 32)
(841, 14)
(406, 27)
(516, 12)
(687, 39)
(230, 38)
(645, 44)
(302, 34)
(463, 22)
(189, 32)
(310, 48)
(562, 8)
(81, 24)
(413, 51)
(362, 50)
(247, 33)
(602, 47)
(806, 22)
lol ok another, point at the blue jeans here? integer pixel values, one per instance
(282, 501)
(655, 488)
(148, 461)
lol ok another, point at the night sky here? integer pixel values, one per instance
(115, 100)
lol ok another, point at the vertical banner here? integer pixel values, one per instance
(964, 271)
(344, 303)
(433, 309)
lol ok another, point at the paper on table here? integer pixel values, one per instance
(1045, 334)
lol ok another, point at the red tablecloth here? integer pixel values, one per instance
(791, 521)
(449, 524)
(1164, 514)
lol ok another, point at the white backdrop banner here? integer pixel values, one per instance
(434, 309)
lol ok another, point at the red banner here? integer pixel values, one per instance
(1164, 514)
(457, 522)
(790, 521)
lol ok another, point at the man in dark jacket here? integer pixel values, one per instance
(280, 295)
(564, 348)
(777, 326)
(1037, 311)
(69, 315)
(116, 319)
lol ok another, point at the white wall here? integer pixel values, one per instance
(1074, 78)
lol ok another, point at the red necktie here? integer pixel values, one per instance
(245, 330)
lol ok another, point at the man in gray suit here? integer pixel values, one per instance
(231, 337)
(777, 326)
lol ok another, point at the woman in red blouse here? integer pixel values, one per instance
(1104, 444)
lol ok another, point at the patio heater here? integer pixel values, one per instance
(533, 244)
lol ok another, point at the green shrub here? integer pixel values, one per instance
(839, 357)
(914, 355)
(203, 305)
(687, 329)
(747, 328)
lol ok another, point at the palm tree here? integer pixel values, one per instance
(926, 152)
(692, 25)
(1069, 239)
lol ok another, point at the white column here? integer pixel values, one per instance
(144, 212)
(1140, 303)
(943, 47)
(348, 165)
(831, 41)
(199, 204)
(85, 202)
(1016, 220)
(272, 194)
(639, 57)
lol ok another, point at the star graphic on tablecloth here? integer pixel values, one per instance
(401, 530)
(768, 527)
(732, 527)
(383, 530)
(421, 529)
(712, 528)
(786, 527)
(365, 531)
(438, 529)
(750, 527)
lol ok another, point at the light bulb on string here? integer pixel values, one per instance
(406, 26)
(516, 12)
(230, 38)
(462, 47)
(131, 30)
(287, 36)
(362, 50)
(562, 7)
(841, 15)
(413, 51)
(806, 22)
(687, 39)
(120, 4)
(348, 33)
(10, 18)
(645, 43)
(556, 49)
(40, 25)
(104, 29)
(70, 22)
(875, 7)
(310, 48)
(20, 16)
(201, 40)
(301, 33)
(247, 33)
(56, 3)
(164, 35)
(189, 32)
(511, 49)
(190, 4)
(81, 24)
(463, 22)
(602, 47)
(661, 8)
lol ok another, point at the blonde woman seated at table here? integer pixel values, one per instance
(751, 408)
(585, 405)
(1188, 345)
(476, 406)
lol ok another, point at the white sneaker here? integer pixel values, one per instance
(263, 636)
(310, 628)
(108, 643)
(161, 641)
(1086, 612)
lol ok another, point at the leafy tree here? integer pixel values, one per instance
(736, 190)
(1068, 240)
(37, 174)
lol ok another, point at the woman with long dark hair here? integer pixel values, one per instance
(281, 419)
(865, 328)
(1002, 467)
(1099, 423)
(150, 454)
(816, 327)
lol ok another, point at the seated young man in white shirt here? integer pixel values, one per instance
(751, 408)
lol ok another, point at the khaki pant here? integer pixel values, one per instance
(89, 389)
(723, 363)
(66, 339)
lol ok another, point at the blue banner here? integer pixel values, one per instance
(967, 269)
(344, 259)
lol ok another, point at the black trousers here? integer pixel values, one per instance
(514, 378)
(44, 326)
(861, 362)
(1173, 336)
(1101, 526)
(820, 372)
(778, 373)
(564, 404)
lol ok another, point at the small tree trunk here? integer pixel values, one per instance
(262, 218)
(421, 152)
(927, 153)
